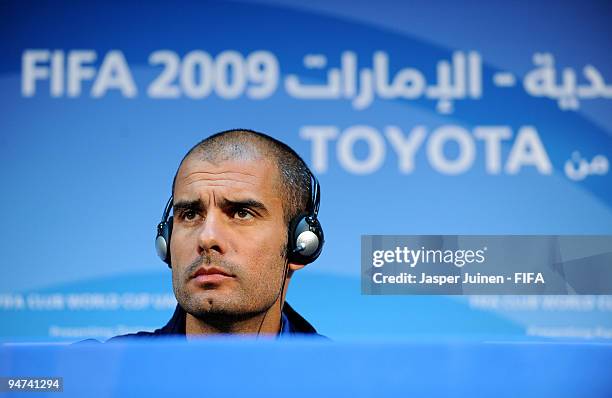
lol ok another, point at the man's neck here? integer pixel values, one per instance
(263, 324)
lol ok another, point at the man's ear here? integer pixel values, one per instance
(292, 267)
(295, 266)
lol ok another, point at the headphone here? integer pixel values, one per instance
(305, 240)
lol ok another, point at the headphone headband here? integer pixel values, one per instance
(315, 191)
(167, 209)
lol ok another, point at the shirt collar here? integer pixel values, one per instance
(285, 329)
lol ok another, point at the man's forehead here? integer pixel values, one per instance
(253, 174)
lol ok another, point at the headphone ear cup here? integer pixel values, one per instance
(305, 239)
(162, 241)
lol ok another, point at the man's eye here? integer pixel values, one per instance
(243, 214)
(189, 215)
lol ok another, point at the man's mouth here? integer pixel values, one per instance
(206, 275)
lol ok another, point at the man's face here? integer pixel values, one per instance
(228, 238)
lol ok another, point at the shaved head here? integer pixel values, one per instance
(240, 144)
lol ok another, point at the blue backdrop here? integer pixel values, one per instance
(418, 118)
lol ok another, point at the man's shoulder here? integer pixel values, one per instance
(129, 336)
(123, 337)
(174, 327)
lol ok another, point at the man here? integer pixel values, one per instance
(245, 219)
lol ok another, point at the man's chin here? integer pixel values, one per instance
(210, 303)
(221, 315)
(210, 309)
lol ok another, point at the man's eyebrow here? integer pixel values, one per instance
(188, 205)
(198, 205)
(246, 203)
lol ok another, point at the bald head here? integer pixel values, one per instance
(244, 145)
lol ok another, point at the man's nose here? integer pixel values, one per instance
(211, 235)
